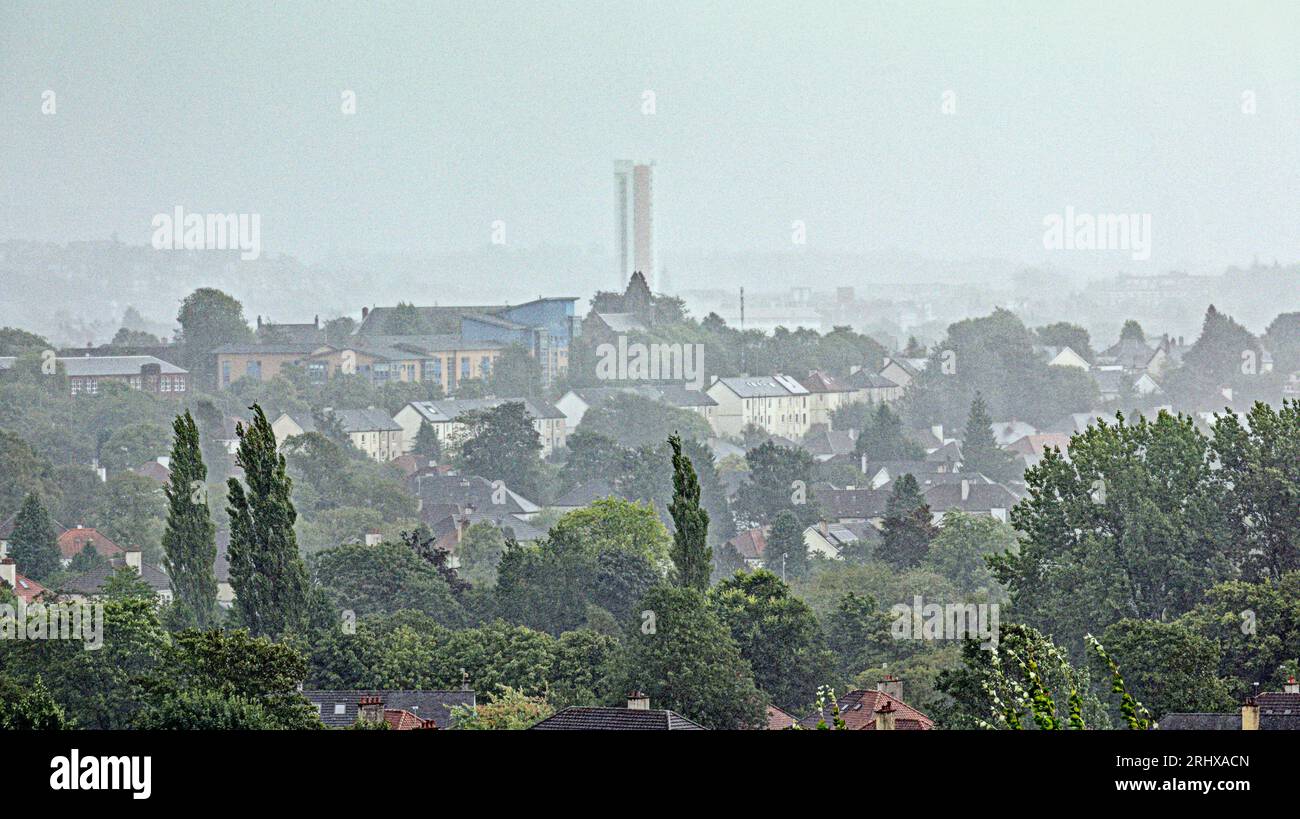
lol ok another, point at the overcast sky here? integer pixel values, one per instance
(829, 113)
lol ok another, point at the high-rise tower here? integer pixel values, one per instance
(634, 220)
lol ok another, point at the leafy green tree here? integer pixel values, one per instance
(686, 660)
(268, 576)
(501, 444)
(1171, 667)
(515, 374)
(780, 478)
(777, 633)
(614, 524)
(1132, 331)
(209, 318)
(125, 583)
(959, 549)
(480, 551)
(133, 445)
(584, 668)
(508, 710)
(15, 342)
(691, 555)
(189, 542)
(132, 511)
(786, 551)
(33, 544)
(1260, 468)
(383, 579)
(635, 420)
(980, 451)
(907, 527)
(1131, 526)
(1065, 334)
(858, 634)
(405, 320)
(29, 707)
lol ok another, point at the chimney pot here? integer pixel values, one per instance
(637, 701)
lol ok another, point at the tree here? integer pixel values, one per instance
(426, 446)
(686, 660)
(479, 552)
(1065, 334)
(406, 320)
(33, 544)
(127, 337)
(958, 551)
(635, 420)
(508, 710)
(614, 524)
(979, 449)
(690, 553)
(777, 633)
(786, 551)
(338, 331)
(189, 541)
(132, 511)
(1131, 331)
(29, 708)
(515, 374)
(908, 528)
(1172, 668)
(1131, 526)
(383, 579)
(882, 439)
(209, 318)
(779, 478)
(501, 444)
(268, 576)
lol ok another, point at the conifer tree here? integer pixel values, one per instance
(33, 545)
(979, 448)
(266, 571)
(189, 542)
(690, 550)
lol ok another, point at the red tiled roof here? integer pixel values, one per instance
(27, 589)
(858, 710)
(73, 541)
(778, 720)
(401, 720)
(750, 543)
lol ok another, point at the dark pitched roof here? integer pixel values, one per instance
(617, 719)
(366, 420)
(1200, 722)
(439, 493)
(92, 582)
(586, 493)
(72, 541)
(434, 705)
(7, 526)
(750, 544)
(981, 497)
(863, 504)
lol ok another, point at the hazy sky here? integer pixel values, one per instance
(829, 113)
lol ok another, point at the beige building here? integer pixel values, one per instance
(778, 404)
(444, 417)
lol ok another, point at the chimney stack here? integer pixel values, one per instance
(134, 558)
(892, 686)
(636, 701)
(1291, 687)
(374, 537)
(370, 709)
(1250, 715)
(965, 489)
(9, 572)
(885, 717)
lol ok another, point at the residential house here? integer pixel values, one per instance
(1063, 357)
(972, 497)
(750, 545)
(874, 388)
(575, 403)
(1031, 448)
(1004, 432)
(304, 333)
(341, 708)
(156, 470)
(445, 417)
(287, 426)
(73, 541)
(86, 373)
(441, 495)
(881, 474)
(831, 539)
(372, 432)
(637, 716)
(371, 710)
(1269, 711)
(826, 393)
(827, 444)
(778, 720)
(879, 710)
(853, 504)
(778, 404)
(902, 371)
(27, 590)
(449, 531)
(92, 583)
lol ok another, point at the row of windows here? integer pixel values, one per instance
(90, 386)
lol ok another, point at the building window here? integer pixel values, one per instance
(254, 370)
(179, 383)
(225, 373)
(464, 367)
(485, 366)
(165, 383)
(433, 370)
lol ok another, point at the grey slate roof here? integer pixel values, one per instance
(439, 493)
(842, 504)
(450, 409)
(107, 365)
(617, 719)
(365, 420)
(434, 705)
(92, 582)
(1200, 722)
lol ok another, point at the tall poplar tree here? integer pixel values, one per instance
(189, 542)
(690, 550)
(266, 571)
